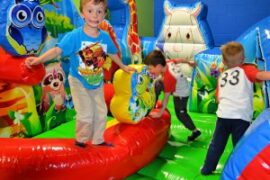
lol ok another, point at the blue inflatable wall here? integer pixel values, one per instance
(227, 19)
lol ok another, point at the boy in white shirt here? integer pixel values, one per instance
(235, 98)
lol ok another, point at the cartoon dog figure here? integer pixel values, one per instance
(53, 87)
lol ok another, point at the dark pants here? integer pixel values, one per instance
(224, 127)
(180, 106)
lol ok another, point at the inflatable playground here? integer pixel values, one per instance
(37, 116)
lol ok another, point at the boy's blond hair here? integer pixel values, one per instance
(232, 53)
(83, 2)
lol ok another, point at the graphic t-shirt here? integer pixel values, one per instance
(235, 93)
(174, 80)
(87, 55)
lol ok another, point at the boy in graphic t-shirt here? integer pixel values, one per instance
(87, 48)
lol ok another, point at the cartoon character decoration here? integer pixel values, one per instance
(110, 70)
(216, 70)
(143, 97)
(53, 90)
(18, 116)
(134, 95)
(133, 39)
(22, 33)
(92, 60)
(184, 33)
(23, 29)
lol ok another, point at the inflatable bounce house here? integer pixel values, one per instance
(37, 116)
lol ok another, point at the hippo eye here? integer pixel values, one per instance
(169, 35)
(188, 36)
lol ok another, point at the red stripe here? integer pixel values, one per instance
(259, 167)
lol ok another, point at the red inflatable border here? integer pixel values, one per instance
(134, 147)
(258, 168)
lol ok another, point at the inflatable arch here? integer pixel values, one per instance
(250, 158)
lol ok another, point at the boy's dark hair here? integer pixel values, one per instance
(155, 58)
(83, 2)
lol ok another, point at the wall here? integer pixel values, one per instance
(145, 10)
(227, 18)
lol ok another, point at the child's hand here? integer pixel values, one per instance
(31, 61)
(128, 69)
(192, 63)
(155, 114)
(179, 60)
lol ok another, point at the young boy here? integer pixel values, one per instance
(235, 98)
(87, 48)
(172, 81)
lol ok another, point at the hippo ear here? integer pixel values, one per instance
(167, 8)
(197, 10)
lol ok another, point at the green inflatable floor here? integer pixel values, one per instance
(179, 159)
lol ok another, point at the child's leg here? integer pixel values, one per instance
(216, 146)
(158, 87)
(238, 129)
(100, 115)
(84, 110)
(180, 107)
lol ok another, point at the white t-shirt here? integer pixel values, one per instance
(235, 92)
(182, 87)
(175, 81)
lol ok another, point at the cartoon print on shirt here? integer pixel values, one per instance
(91, 60)
(175, 70)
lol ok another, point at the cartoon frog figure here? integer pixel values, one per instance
(143, 95)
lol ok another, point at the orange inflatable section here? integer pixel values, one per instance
(134, 147)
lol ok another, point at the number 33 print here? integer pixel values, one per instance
(231, 78)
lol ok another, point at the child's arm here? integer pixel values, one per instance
(180, 60)
(118, 61)
(164, 105)
(48, 55)
(263, 76)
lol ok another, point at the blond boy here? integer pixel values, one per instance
(235, 102)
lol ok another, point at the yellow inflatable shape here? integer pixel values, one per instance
(134, 95)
